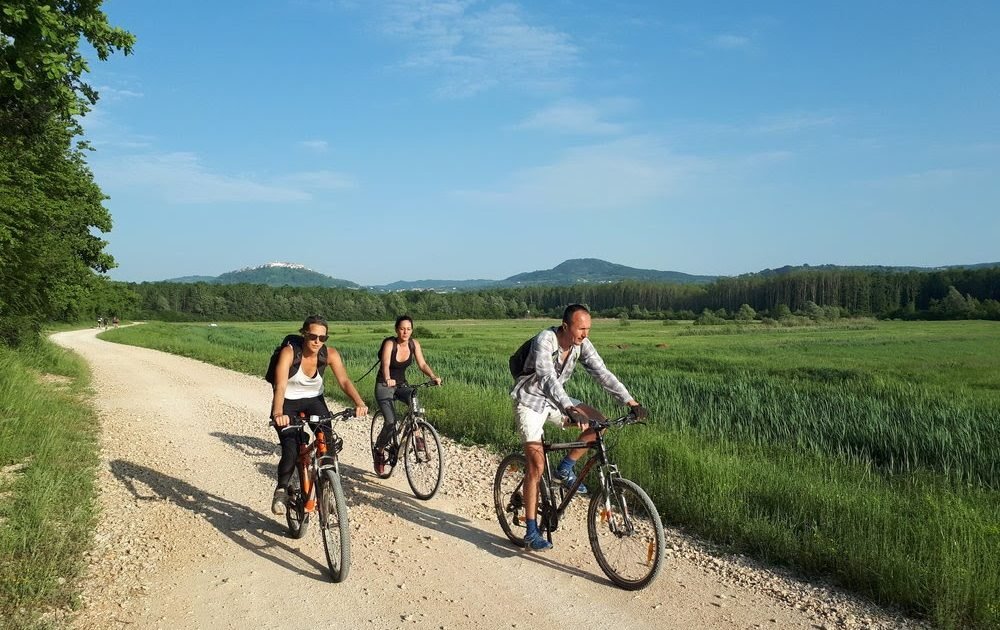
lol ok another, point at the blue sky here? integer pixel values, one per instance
(456, 139)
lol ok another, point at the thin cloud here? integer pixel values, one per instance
(320, 180)
(106, 92)
(572, 117)
(612, 176)
(793, 122)
(930, 179)
(475, 48)
(180, 178)
(729, 41)
(318, 146)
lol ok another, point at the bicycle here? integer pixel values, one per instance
(625, 531)
(318, 488)
(416, 441)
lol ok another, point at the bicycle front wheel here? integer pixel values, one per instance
(423, 460)
(333, 524)
(295, 510)
(626, 534)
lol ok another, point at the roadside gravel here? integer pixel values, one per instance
(186, 539)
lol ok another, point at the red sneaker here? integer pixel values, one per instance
(379, 457)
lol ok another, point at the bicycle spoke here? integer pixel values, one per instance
(423, 459)
(334, 526)
(508, 498)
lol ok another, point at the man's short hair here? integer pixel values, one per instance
(572, 310)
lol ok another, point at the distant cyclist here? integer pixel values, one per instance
(301, 390)
(540, 397)
(395, 355)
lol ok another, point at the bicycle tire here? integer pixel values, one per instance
(295, 511)
(424, 466)
(626, 534)
(508, 499)
(334, 525)
(377, 421)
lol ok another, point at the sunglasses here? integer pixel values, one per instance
(313, 337)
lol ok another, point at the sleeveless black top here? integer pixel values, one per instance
(397, 369)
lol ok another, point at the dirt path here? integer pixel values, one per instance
(186, 538)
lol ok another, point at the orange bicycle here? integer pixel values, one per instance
(318, 489)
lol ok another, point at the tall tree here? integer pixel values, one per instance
(50, 205)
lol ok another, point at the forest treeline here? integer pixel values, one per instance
(951, 294)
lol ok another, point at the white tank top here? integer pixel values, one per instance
(301, 386)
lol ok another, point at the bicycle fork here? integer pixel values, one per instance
(615, 511)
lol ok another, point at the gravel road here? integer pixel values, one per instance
(186, 538)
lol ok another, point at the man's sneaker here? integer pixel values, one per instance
(379, 457)
(279, 502)
(536, 542)
(568, 478)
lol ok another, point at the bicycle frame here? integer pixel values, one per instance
(547, 491)
(409, 420)
(315, 455)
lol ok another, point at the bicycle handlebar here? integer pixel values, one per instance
(418, 385)
(635, 415)
(297, 421)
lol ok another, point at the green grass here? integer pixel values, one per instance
(48, 445)
(866, 452)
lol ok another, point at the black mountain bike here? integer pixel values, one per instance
(316, 488)
(624, 528)
(414, 441)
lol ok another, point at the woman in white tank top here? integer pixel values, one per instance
(301, 391)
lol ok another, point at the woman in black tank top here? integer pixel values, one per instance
(395, 356)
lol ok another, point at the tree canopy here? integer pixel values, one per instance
(50, 205)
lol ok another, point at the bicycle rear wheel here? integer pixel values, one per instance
(333, 524)
(423, 460)
(508, 497)
(626, 534)
(295, 512)
(377, 421)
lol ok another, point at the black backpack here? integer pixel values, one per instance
(393, 340)
(295, 341)
(518, 361)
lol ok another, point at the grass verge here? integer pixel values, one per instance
(48, 456)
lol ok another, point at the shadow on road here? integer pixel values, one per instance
(255, 447)
(364, 488)
(249, 445)
(244, 526)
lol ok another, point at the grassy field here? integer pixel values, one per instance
(868, 452)
(48, 455)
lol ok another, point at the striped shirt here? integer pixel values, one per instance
(543, 390)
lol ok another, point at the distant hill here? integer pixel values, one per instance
(787, 269)
(275, 274)
(568, 273)
(580, 270)
(193, 279)
(436, 285)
